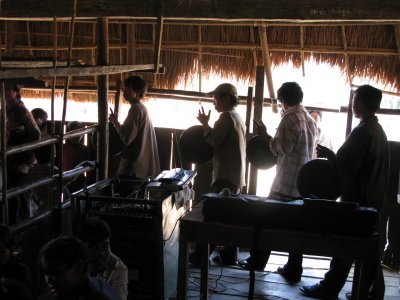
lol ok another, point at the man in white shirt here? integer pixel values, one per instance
(294, 145)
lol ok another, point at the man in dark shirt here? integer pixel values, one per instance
(363, 165)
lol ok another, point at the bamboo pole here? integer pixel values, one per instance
(9, 37)
(218, 22)
(349, 114)
(262, 31)
(234, 46)
(302, 52)
(346, 57)
(200, 58)
(28, 37)
(397, 34)
(64, 111)
(249, 120)
(53, 88)
(102, 89)
(254, 51)
(258, 108)
(159, 33)
(3, 155)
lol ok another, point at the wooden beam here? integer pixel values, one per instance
(258, 109)
(75, 71)
(3, 143)
(262, 32)
(235, 46)
(346, 56)
(131, 44)
(257, 10)
(302, 52)
(102, 100)
(397, 34)
(9, 37)
(159, 33)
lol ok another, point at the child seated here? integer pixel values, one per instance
(102, 262)
(64, 263)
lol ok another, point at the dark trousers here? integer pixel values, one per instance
(339, 269)
(259, 258)
(227, 254)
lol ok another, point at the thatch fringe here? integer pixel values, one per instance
(183, 64)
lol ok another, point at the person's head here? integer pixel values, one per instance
(96, 234)
(367, 101)
(64, 263)
(135, 88)
(43, 154)
(225, 97)
(316, 115)
(290, 94)
(40, 116)
(74, 125)
(12, 93)
(6, 243)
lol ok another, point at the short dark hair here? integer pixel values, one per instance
(43, 154)
(138, 84)
(290, 93)
(370, 96)
(65, 250)
(94, 229)
(39, 113)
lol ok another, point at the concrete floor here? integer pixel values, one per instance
(231, 282)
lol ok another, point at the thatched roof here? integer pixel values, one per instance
(363, 48)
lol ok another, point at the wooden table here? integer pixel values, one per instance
(193, 228)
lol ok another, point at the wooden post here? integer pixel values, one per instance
(397, 34)
(28, 35)
(159, 33)
(249, 120)
(3, 156)
(301, 47)
(102, 98)
(262, 31)
(9, 36)
(254, 51)
(349, 114)
(200, 59)
(258, 108)
(346, 56)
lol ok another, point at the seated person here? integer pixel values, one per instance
(10, 266)
(44, 197)
(40, 116)
(13, 290)
(75, 152)
(64, 263)
(102, 262)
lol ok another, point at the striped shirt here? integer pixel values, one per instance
(294, 144)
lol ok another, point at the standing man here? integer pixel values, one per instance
(293, 144)
(363, 165)
(229, 144)
(21, 128)
(139, 158)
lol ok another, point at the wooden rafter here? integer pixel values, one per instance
(75, 71)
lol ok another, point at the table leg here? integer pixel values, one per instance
(360, 286)
(204, 262)
(182, 266)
